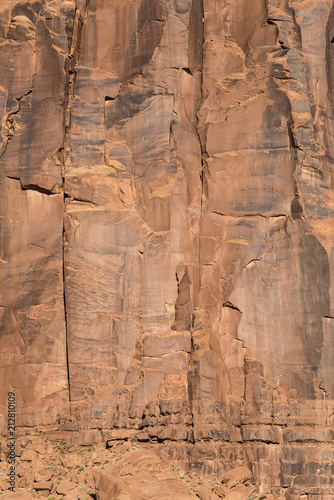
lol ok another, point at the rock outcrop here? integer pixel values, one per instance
(167, 229)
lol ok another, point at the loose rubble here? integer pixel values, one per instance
(125, 470)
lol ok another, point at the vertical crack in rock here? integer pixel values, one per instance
(197, 24)
(65, 318)
(74, 40)
(330, 55)
(296, 209)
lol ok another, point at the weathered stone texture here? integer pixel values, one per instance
(167, 228)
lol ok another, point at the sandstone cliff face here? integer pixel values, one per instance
(167, 228)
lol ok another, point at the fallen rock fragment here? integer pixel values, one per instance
(43, 475)
(221, 490)
(205, 493)
(73, 494)
(43, 486)
(28, 455)
(64, 487)
(142, 437)
(108, 488)
(17, 495)
(237, 476)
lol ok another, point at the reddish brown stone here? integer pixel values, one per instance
(167, 232)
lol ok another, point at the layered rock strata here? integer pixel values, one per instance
(167, 214)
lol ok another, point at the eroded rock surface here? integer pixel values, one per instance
(167, 229)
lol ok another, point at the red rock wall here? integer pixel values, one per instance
(167, 228)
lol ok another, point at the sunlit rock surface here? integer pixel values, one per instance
(167, 229)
